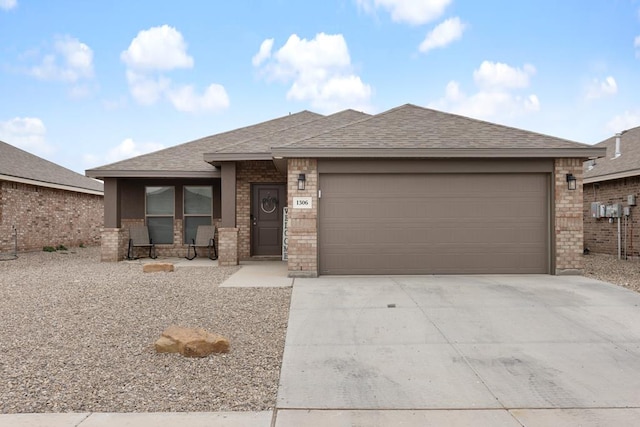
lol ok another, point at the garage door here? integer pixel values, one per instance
(433, 223)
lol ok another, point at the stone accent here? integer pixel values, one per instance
(600, 235)
(228, 247)
(191, 342)
(158, 267)
(48, 217)
(303, 223)
(568, 232)
(247, 173)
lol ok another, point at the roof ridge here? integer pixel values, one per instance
(276, 131)
(369, 116)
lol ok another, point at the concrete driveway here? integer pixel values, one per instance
(461, 350)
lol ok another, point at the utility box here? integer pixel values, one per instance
(626, 211)
(603, 211)
(595, 209)
(613, 211)
(631, 199)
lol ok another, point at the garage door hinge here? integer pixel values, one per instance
(319, 194)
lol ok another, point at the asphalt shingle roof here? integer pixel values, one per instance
(413, 127)
(349, 133)
(628, 163)
(264, 143)
(17, 163)
(188, 157)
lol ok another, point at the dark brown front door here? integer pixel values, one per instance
(267, 201)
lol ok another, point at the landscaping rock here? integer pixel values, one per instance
(158, 266)
(191, 342)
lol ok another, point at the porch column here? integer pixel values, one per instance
(112, 238)
(228, 188)
(111, 203)
(228, 232)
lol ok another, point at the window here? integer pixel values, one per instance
(159, 213)
(198, 206)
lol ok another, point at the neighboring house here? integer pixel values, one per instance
(407, 191)
(46, 204)
(609, 181)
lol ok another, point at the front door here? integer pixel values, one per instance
(267, 201)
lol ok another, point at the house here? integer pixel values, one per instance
(44, 204)
(611, 186)
(407, 191)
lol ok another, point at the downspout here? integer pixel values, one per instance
(615, 156)
(619, 243)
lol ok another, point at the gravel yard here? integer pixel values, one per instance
(609, 269)
(77, 335)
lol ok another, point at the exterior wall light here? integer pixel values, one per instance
(572, 182)
(301, 181)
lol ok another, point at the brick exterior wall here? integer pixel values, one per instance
(228, 246)
(568, 232)
(247, 173)
(303, 223)
(600, 235)
(115, 241)
(113, 246)
(48, 217)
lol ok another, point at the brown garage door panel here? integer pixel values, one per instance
(431, 224)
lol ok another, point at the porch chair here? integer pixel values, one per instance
(139, 238)
(205, 238)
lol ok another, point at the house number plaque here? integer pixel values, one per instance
(302, 203)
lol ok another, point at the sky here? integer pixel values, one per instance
(87, 83)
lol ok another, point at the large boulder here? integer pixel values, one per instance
(191, 342)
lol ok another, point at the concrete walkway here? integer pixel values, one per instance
(438, 350)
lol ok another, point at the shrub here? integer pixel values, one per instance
(49, 249)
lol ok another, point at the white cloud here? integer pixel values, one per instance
(27, 133)
(184, 98)
(443, 34)
(264, 53)
(70, 61)
(8, 4)
(636, 44)
(497, 95)
(128, 148)
(413, 12)
(154, 52)
(320, 72)
(598, 89)
(145, 89)
(493, 75)
(158, 48)
(624, 121)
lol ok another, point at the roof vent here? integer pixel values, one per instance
(618, 153)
